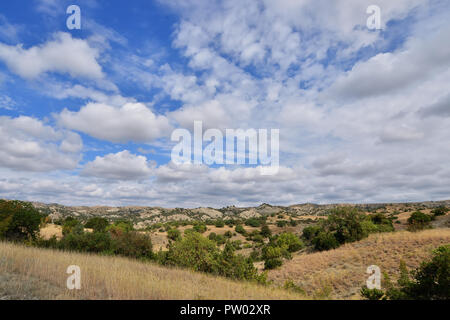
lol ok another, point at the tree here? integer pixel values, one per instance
(174, 234)
(289, 242)
(431, 281)
(199, 227)
(419, 221)
(18, 220)
(240, 229)
(98, 224)
(325, 241)
(265, 231)
(310, 232)
(345, 224)
(440, 211)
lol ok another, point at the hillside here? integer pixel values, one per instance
(31, 273)
(143, 217)
(341, 272)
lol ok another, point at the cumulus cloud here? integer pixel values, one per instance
(62, 54)
(130, 122)
(27, 144)
(120, 166)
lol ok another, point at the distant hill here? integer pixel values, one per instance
(145, 216)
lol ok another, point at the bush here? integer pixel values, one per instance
(200, 254)
(174, 234)
(219, 224)
(431, 281)
(289, 242)
(98, 224)
(272, 256)
(419, 221)
(272, 263)
(69, 224)
(372, 294)
(345, 224)
(310, 232)
(265, 231)
(199, 227)
(325, 241)
(440, 211)
(18, 220)
(96, 242)
(240, 229)
(253, 222)
(133, 244)
(282, 223)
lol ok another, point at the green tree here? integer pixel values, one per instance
(419, 221)
(18, 220)
(265, 231)
(174, 234)
(98, 224)
(289, 242)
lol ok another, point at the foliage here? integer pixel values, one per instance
(265, 231)
(199, 227)
(325, 241)
(98, 224)
(440, 211)
(289, 241)
(419, 221)
(240, 229)
(18, 220)
(174, 234)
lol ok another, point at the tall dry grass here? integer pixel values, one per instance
(43, 272)
(343, 270)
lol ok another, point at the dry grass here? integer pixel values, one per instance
(50, 230)
(343, 269)
(28, 273)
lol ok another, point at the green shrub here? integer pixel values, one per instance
(240, 229)
(133, 244)
(372, 294)
(96, 242)
(289, 242)
(310, 232)
(18, 220)
(345, 224)
(431, 281)
(419, 221)
(174, 234)
(98, 224)
(440, 211)
(265, 231)
(325, 241)
(282, 223)
(199, 227)
(253, 222)
(219, 224)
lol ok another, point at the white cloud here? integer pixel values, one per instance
(130, 122)
(27, 144)
(119, 166)
(62, 54)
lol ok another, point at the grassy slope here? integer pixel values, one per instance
(343, 270)
(27, 273)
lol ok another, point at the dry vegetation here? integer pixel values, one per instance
(341, 272)
(32, 273)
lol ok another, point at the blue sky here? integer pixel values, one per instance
(86, 115)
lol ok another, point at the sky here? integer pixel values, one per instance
(86, 116)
